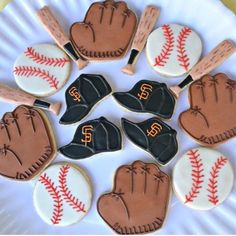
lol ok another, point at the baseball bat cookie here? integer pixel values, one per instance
(62, 195)
(27, 143)
(146, 24)
(42, 69)
(203, 178)
(172, 50)
(211, 119)
(139, 198)
(93, 137)
(18, 97)
(57, 33)
(106, 32)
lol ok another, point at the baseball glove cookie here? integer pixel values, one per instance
(26, 145)
(211, 118)
(138, 201)
(106, 32)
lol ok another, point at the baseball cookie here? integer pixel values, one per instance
(203, 178)
(211, 119)
(148, 97)
(82, 95)
(172, 50)
(92, 137)
(106, 32)
(139, 199)
(27, 144)
(153, 136)
(62, 194)
(42, 69)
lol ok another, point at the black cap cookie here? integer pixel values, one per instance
(148, 97)
(154, 136)
(92, 137)
(82, 95)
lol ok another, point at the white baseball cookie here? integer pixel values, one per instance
(62, 194)
(172, 50)
(42, 70)
(203, 178)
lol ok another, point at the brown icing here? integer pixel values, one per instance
(138, 201)
(211, 118)
(26, 145)
(106, 31)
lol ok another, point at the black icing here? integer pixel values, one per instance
(159, 102)
(91, 89)
(162, 146)
(105, 137)
(42, 104)
(133, 56)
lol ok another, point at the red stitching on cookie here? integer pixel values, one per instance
(41, 59)
(182, 56)
(197, 176)
(168, 47)
(56, 197)
(74, 202)
(33, 71)
(213, 180)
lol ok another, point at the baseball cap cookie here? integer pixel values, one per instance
(203, 178)
(172, 50)
(42, 69)
(63, 194)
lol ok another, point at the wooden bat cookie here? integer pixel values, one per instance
(57, 33)
(146, 24)
(18, 97)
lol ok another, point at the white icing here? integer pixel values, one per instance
(183, 182)
(35, 84)
(79, 186)
(156, 41)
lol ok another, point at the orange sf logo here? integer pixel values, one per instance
(145, 91)
(154, 129)
(86, 131)
(75, 94)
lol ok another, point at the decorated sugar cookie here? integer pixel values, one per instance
(82, 95)
(62, 194)
(138, 201)
(211, 119)
(153, 136)
(42, 70)
(27, 143)
(106, 32)
(93, 137)
(173, 50)
(203, 178)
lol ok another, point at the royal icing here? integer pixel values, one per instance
(42, 69)
(27, 145)
(172, 50)
(138, 201)
(96, 37)
(203, 178)
(62, 195)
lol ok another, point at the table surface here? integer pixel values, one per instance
(229, 3)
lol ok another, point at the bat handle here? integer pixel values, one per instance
(130, 67)
(55, 108)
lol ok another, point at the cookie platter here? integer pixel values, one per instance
(22, 30)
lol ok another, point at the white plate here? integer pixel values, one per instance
(19, 28)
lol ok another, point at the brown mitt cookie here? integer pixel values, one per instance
(26, 145)
(138, 201)
(211, 118)
(106, 32)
